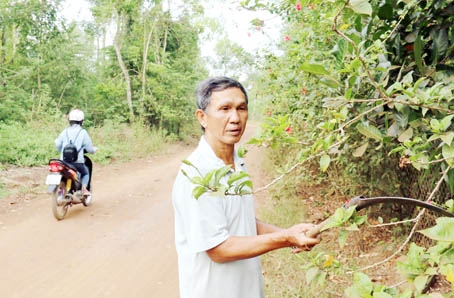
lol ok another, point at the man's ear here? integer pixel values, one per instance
(200, 114)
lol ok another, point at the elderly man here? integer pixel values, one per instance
(219, 239)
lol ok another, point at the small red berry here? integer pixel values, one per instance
(409, 47)
(298, 6)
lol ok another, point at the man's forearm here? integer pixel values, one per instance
(265, 228)
(238, 248)
(269, 238)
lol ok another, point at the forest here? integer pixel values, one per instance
(355, 95)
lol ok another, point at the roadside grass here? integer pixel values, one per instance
(327, 270)
(32, 144)
(285, 274)
(300, 197)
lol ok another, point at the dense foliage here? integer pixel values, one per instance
(143, 76)
(365, 89)
(146, 72)
(366, 84)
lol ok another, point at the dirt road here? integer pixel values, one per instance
(119, 247)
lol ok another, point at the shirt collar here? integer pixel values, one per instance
(212, 157)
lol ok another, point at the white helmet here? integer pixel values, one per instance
(76, 115)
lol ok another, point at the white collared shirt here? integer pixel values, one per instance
(207, 222)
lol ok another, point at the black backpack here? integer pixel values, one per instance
(70, 152)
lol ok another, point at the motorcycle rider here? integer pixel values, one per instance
(78, 136)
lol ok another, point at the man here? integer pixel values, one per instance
(75, 134)
(218, 239)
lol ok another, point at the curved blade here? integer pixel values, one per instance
(363, 202)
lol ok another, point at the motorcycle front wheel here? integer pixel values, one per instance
(59, 206)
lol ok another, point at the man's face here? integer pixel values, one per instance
(225, 117)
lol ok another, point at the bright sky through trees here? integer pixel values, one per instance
(237, 23)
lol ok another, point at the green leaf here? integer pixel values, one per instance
(406, 135)
(242, 151)
(397, 149)
(385, 12)
(440, 43)
(353, 227)
(393, 130)
(236, 176)
(220, 192)
(370, 131)
(448, 271)
(418, 51)
(361, 7)
(448, 153)
(446, 122)
(244, 187)
(342, 238)
(324, 162)
(221, 172)
(197, 180)
(330, 82)
(361, 150)
(198, 191)
(382, 295)
(435, 125)
(340, 217)
(442, 231)
(450, 180)
(433, 138)
(187, 162)
(314, 69)
(448, 137)
(362, 286)
(420, 282)
(311, 274)
(450, 204)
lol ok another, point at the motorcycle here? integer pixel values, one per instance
(65, 186)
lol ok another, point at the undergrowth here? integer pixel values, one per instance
(306, 195)
(32, 144)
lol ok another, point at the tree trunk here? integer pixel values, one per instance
(164, 43)
(124, 70)
(2, 47)
(146, 47)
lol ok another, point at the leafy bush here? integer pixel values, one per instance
(26, 145)
(32, 144)
(364, 89)
(351, 95)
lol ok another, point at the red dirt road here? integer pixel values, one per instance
(119, 247)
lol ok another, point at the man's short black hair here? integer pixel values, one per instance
(208, 86)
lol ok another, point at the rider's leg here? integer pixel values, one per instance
(84, 176)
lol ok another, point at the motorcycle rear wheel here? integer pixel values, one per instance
(58, 196)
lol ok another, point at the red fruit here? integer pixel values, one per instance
(409, 47)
